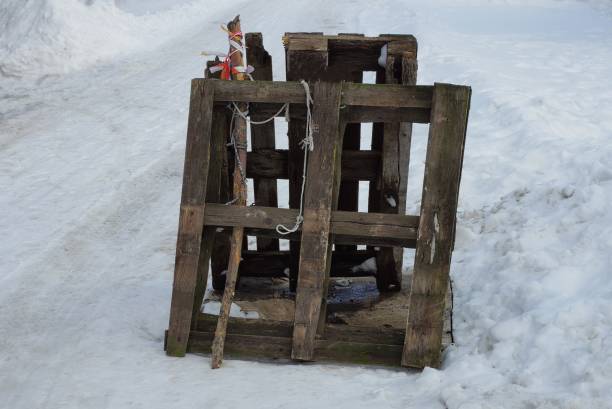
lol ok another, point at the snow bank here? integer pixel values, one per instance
(42, 37)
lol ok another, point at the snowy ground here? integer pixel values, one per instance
(93, 109)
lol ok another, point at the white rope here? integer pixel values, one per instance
(307, 144)
(244, 114)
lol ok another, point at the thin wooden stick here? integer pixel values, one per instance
(240, 195)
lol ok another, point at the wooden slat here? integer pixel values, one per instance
(353, 114)
(320, 197)
(274, 348)
(275, 263)
(300, 65)
(219, 133)
(273, 163)
(355, 51)
(367, 95)
(191, 219)
(262, 136)
(333, 332)
(393, 173)
(437, 225)
(348, 198)
(397, 228)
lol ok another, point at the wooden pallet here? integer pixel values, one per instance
(336, 104)
(343, 57)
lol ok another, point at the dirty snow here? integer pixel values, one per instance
(93, 109)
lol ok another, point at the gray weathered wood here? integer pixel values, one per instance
(363, 227)
(393, 173)
(320, 198)
(305, 65)
(262, 136)
(239, 190)
(191, 219)
(274, 263)
(348, 198)
(436, 226)
(365, 95)
(267, 347)
(274, 163)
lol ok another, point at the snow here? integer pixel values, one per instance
(93, 109)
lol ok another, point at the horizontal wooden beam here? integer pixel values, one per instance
(353, 114)
(273, 163)
(364, 95)
(257, 339)
(274, 263)
(363, 228)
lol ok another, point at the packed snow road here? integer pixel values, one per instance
(93, 109)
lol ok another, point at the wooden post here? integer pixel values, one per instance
(191, 219)
(239, 190)
(262, 136)
(219, 256)
(348, 198)
(303, 63)
(393, 139)
(436, 226)
(320, 199)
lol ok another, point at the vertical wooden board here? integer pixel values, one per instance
(300, 65)
(437, 225)
(191, 219)
(392, 185)
(321, 190)
(377, 140)
(262, 136)
(219, 132)
(219, 254)
(349, 190)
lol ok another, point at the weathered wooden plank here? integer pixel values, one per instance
(274, 163)
(239, 132)
(348, 198)
(219, 255)
(353, 50)
(342, 239)
(262, 136)
(387, 114)
(300, 65)
(268, 347)
(436, 226)
(219, 131)
(333, 332)
(367, 95)
(393, 173)
(275, 263)
(353, 114)
(191, 219)
(320, 197)
(393, 227)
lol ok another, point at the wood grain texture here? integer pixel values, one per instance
(262, 136)
(239, 189)
(320, 198)
(436, 226)
(300, 65)
(191, 219)
(274, 163)
(348, 198)
(363, 228)
(365, 95)
(274, 263)
(393, 172)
